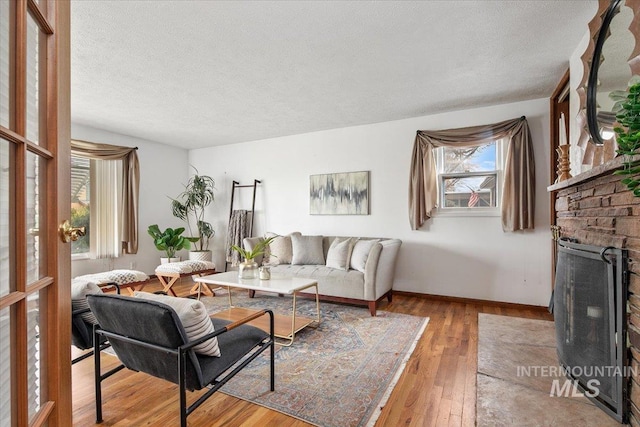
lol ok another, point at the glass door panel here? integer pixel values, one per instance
(7, 202)
(7, 358)
(36, 193)
(34, 353)
(33, 80)
(4, 62)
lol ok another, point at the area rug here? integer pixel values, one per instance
(338, 374)
(516, 361)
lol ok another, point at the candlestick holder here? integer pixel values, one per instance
(564, 167)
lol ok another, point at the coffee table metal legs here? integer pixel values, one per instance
(297, 323)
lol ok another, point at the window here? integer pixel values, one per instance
(81, 203)
(469, 179)
(95, 204)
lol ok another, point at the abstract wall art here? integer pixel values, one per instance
(339, 194)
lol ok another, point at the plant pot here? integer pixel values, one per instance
(168, 260)
(248, 270)
(200, 255)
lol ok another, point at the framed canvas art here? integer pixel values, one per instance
(344, 193)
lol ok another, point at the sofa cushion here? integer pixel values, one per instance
(307, 250)
(194, 318)
(360, 253)
(280, 249)
(339, 254)
(331, 281)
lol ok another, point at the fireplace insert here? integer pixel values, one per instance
(590, 300)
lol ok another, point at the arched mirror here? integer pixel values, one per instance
(610, 70)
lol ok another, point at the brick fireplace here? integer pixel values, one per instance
(595, 208)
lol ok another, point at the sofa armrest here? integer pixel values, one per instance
(379, 269)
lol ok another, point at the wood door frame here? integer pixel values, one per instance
(554, 141)
(53, 19)
(59, 129)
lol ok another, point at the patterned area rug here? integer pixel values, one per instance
(338, 374)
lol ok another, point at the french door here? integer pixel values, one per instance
(35, 372)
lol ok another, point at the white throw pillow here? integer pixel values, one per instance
(280, 250)
(339, 254)
(307, 250)
(194, 318)
(79, 291)
(360, 253)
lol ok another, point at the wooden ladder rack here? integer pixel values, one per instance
(235, 185)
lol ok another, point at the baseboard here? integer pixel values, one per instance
(474, 301)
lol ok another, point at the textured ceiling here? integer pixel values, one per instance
(202, 73)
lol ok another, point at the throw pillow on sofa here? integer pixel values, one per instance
(194, 318)
(361, 253)
(280, 249)
(339, 254)
(307, 250)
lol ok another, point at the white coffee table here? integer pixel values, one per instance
(285, 327)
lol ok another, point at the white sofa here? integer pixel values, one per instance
(348, 286)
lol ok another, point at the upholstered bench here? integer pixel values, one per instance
(168, 274)
(133, 280)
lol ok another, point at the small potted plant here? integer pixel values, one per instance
(248, 269)
(169, 241)
(189, 206)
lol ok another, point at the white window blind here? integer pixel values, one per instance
(5, 368)
(33, 82)
(5, 326)
(5, 204)
(106, 196)
(4, 63)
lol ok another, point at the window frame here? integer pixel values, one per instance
(442, 211)
(98, 202)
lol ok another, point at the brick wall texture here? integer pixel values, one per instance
(603, 212)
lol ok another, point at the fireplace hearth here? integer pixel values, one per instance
(590, 299)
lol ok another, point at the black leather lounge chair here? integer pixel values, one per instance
(148, 336)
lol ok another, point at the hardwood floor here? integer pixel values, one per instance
(437, 387)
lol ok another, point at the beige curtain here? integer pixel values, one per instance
(518, 191)
(130, 184)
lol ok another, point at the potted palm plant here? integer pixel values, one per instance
(190, 206)
(168, 241)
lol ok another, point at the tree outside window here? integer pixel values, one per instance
(468, 176)
(81, 202)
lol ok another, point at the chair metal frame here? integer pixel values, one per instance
(88, 346)
(181, 353)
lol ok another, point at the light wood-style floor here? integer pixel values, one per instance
(437, 388)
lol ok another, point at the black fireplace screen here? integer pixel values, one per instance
(589, 312)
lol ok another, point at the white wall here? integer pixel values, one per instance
(463, 257)
(163, 171)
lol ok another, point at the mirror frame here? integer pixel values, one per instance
(592, 82)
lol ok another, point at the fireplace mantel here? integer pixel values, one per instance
(595, 172)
